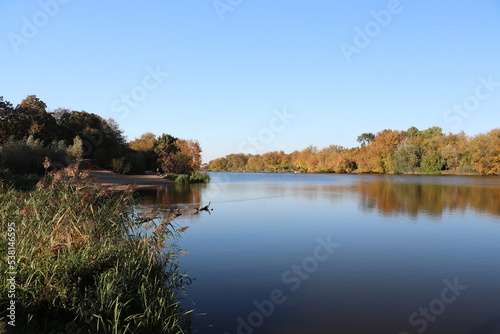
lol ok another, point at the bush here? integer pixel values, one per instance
(195, 177)
(120, 166)
(198, 177)
(182, 178)
(75, 151)
(27, 156)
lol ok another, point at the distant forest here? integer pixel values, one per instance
(389, 151)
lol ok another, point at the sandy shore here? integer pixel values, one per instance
(120, 182)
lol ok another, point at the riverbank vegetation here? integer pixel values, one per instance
(29, 133)
(194, 177)
(389, 151)
(87, 261)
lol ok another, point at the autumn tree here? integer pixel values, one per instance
(486, 152)
(178, 156)
(218, 165)
(144, 146)
(379, 155)
(236, 162)
(254, 163)
(192, 149)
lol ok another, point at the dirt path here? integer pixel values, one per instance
(120, 182)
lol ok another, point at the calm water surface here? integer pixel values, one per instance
(299, 253)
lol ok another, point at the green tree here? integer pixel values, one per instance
(365, 138)
(75, 151)
(166, 144)
(6, 120)
(434, 131)
(406, 158)
(30, 117)
(412, 132)
(432, 163)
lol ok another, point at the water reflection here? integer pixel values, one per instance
(391, 198)
(177, 196)
(388, 196)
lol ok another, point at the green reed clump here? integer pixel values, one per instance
(86, 258)
(195, 177)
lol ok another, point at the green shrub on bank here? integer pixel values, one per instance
(195, 177)
(27, 156)
(85, 258)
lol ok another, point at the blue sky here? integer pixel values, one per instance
(233, 65)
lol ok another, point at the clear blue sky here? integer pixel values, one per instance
(227, 77)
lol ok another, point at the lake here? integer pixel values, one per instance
(329, 253)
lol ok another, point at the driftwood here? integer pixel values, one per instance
(203, 208)
(176, 212)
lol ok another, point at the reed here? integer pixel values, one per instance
(86, 257)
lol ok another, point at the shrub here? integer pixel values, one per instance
(120, 166)
(182, 178)
(27, 156)
(195, 177)
(75, 151)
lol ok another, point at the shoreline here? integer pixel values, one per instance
(120, 182)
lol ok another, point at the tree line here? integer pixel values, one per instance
(428, 151)
(29, 134)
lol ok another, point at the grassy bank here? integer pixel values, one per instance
(195, 177)
(84, 260)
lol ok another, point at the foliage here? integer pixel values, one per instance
(389, 151)
(145, 146)
(75, 151)
(178, 156)
(67, 135)
(31, 118)
(86, 257)
(221, 165)
(365, 138)
(432, 163)
(120, 166)
(195, 177)
(27, 156)
(406, 158)
(28, 118)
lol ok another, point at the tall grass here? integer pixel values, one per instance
(85, 257)
(194, 177)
